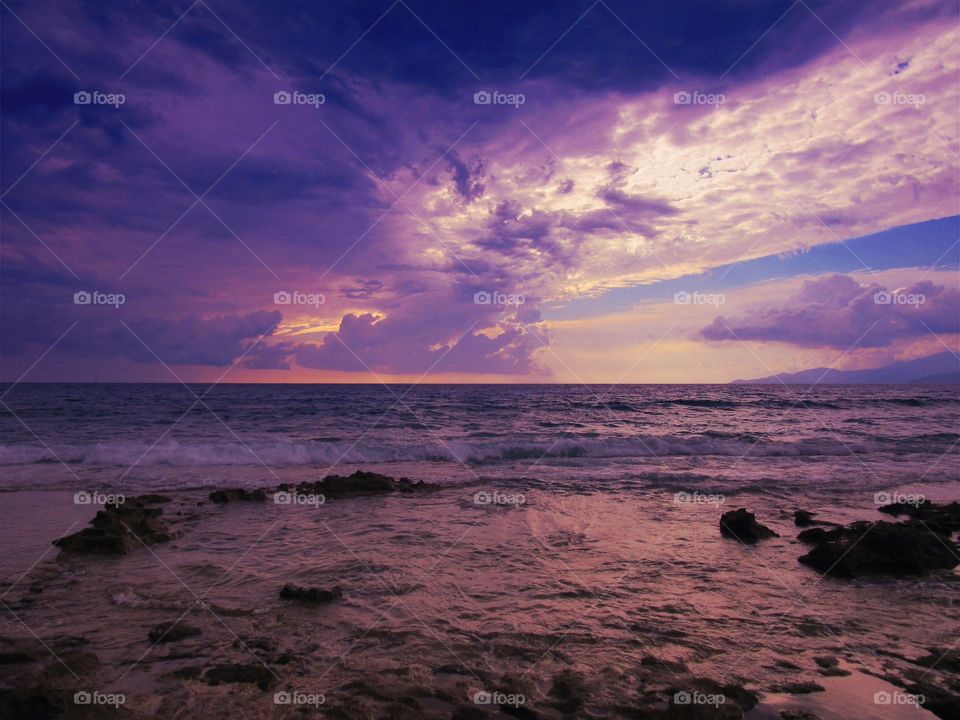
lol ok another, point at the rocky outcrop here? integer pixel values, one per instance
(880, 548)
(362, 483)
(311, 594)
(943, 519)
(237, 495)
(172, 632)
(253, 674)
(118, 529)
(743, 526)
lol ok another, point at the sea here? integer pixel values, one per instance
(572, 554)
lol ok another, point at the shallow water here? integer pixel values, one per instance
(591, 563)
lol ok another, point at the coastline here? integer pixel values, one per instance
(589, 605)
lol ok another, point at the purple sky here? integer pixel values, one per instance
(637, 150)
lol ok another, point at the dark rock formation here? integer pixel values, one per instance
(364, 483)
(742, 525)
(253, 674)
(880, 548)
(118, 529)
(943, 519)
(311, 595)
(237, 495)
(172, 632)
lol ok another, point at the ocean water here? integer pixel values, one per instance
(600, 551)
(837, 438)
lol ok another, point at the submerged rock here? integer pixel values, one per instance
(364, 483)
(742, 525)
(172, 632)
(706, 699)
(118, 529)
(943, 519)
(237, 495)
(311, 595)
(252, 674)
(881, 548)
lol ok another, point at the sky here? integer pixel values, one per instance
(433, 191)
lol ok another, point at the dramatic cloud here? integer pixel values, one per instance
(398, 197)
(838, 312)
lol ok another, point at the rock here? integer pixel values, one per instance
(118, 529)
(311, 595)
(803, 518)
(237, 495)
(881, 548)
(742, 525)
(943, 519)
(364, 483)
(798, 688)
(15, 658)
(826, 661)
(570, 691)
(172, 632)
(237, 673)
(736, 701)
(942, 659)
(469, 713)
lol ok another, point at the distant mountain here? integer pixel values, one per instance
(940, 368)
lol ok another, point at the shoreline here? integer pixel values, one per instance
(147, 594)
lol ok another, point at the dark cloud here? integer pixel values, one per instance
(836, 311)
